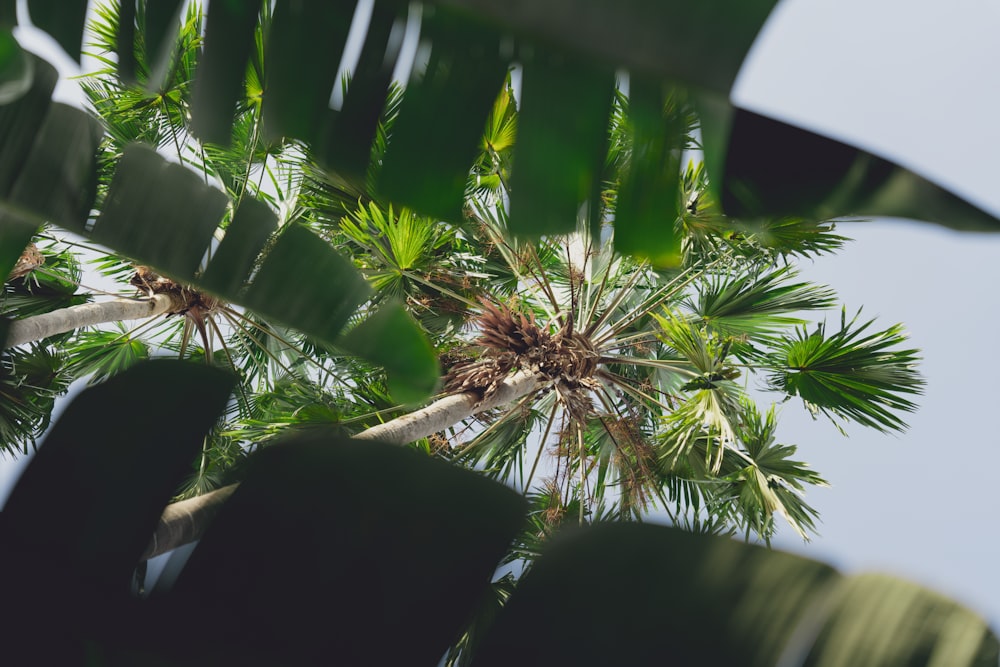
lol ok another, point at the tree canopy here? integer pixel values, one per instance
(438, 239)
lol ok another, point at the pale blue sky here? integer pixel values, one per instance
(914, 81)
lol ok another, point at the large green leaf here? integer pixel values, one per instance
(218, 84)
(561, 140)
(442, 116)
(773, 170)
(86, 506)
(63, 19)
(159, 213)
(305, 42)
(392, 339)
(628, 594)
(59, 179)
(362, 553)
(305, 283)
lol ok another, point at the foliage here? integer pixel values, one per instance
(327, 270)
(395, 551)
(648, 366)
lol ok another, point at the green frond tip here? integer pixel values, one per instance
(850, 375)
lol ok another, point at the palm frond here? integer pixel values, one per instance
(849, 374)
(756, 305)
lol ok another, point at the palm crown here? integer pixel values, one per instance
(645, 370)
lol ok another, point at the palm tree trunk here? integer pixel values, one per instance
(185, 521)
(59, 321)
(450, 410)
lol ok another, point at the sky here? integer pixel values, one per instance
(913, 81)
(909, 80)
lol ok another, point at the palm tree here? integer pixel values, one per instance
(629, 386)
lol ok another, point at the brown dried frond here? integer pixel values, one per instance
(555, 510)
(635, 459)
(483, 376)
(501, 328)
(31, 258)
(439, 443)
(186, 300)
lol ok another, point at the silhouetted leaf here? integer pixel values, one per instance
(85, 507)
(775, 170)
(638, 595)
(373, 554)
(63, 19)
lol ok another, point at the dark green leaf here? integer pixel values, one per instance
(245, 239)
(370, 540)
(391, 339)
(441, 119)
(125, 39)
(131, 437)
(304, 43)
(8, 13)
(21, 120)
(160, 31)
(701, 44)
(646, 214)
(626, 594)
(774, 170)
(15, 68)
(63, 19)
(327, 289)
(218, 83)
(59, 180)
(346, 143)
(159, 213)
(561, 139)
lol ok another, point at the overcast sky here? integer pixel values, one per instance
(913, 81)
